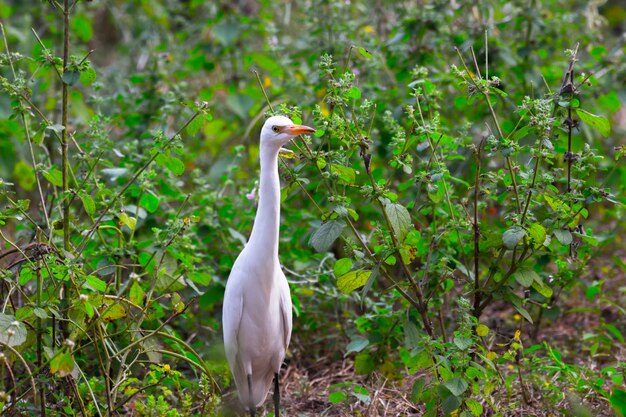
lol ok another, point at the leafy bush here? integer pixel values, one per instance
(461, 187)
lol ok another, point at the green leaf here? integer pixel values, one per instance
(136, 293)
(353, 280)
(364, 363)
(618, 401)
(149, 201)
(462, 342)
(537, 233)
(70, 77)
(26, 275)
(88, 203)
(474, 406)
(563, 236)
(345, 174)
(523, 312)
(54, 176)
(25, 175)
(12, 331)
(342, 266)
(88, 76)
(196, 124)
(525, 277)
(357, 345)
(324, 237)
(600, 123)
(456, 385)
(113, 312)
(450, 403)
(541, 287)
(511, 237)
(40, 312)
(365, 52)
(399, 218)
(62, 363)
(175, 165)
(200, 278)
(337, 397)
(96, 283)
(354, 92)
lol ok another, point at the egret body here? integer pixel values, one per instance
(256, 316)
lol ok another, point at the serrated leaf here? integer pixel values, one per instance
(342, 266)
(345, 174)
(399, 218)
(324, 237)
(482, 330)
(537, 233)
(525, 277)
(149, 201)
(113, 312)
(175, 165)
(12, 331)
(70, 77)
(40, 312)
(88, 204)
(600, 123)
(462, 342)
(96, 283)
(456, 385)
(54, 176)
(352, 280)
(199, 278)
(196, 124)
(411, 335)
(88, 76)
(357, 345)
(474, 406)
(512, 236)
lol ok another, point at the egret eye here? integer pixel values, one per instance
(275, 129)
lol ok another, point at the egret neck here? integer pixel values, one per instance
(267, 221)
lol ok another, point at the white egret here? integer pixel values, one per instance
(256, 316)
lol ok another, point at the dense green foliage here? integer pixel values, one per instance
(463, 192)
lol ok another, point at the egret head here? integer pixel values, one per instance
(278, 130)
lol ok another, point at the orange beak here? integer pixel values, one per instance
(296, 130)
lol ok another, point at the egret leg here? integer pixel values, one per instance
(276, 396)
(252, 407)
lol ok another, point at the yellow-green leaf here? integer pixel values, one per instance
(352, 280)
(62, 363)
(131, 222)
(482, 330)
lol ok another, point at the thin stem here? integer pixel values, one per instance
(64, 142)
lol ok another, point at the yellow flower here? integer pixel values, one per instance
(517, 317)
(369, 29)
(166, 368)
(267, 82)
